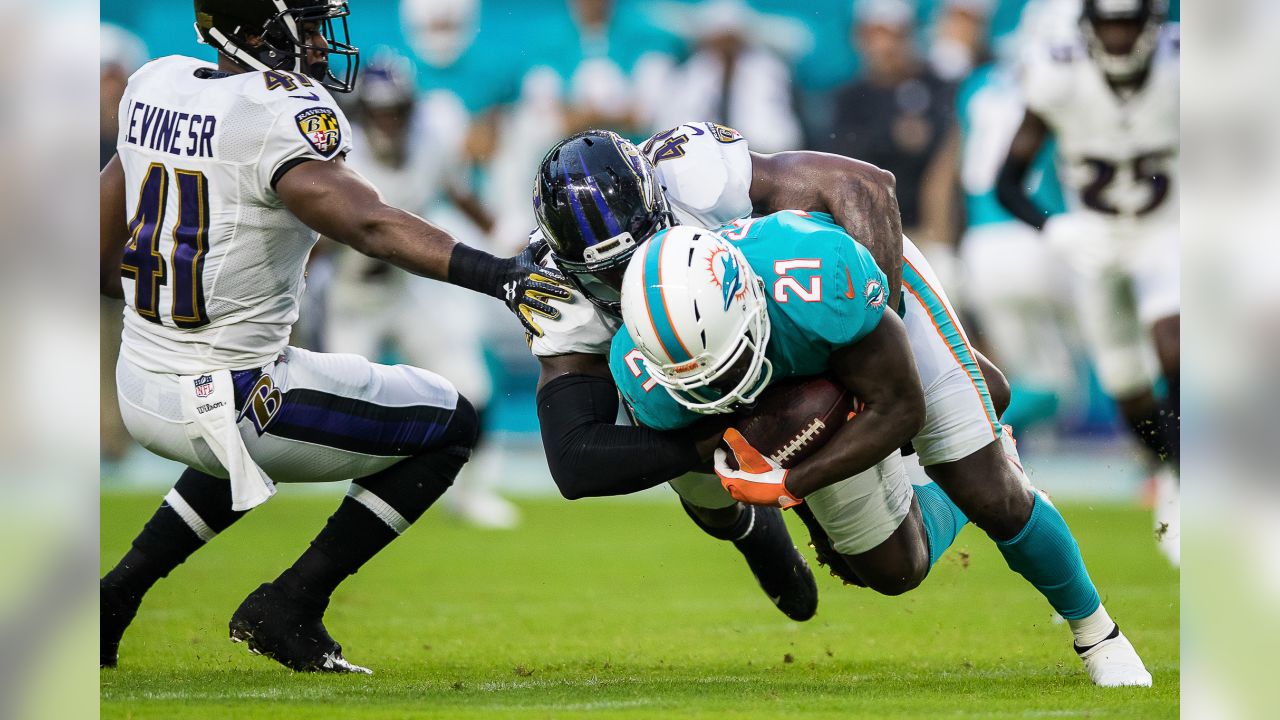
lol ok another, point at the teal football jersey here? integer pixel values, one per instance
(824, 291)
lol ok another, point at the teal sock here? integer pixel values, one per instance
(942, 519)
(1046, 554)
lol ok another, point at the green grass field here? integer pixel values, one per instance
(608, 609)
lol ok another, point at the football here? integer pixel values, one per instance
(795, 417)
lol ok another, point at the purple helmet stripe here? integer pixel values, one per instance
(587, 233)
(596, 196)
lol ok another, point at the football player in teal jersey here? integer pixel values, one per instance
(713, 322)
(889, 533)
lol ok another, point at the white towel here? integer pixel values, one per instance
(208, 400)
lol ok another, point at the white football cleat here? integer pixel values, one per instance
(1114, 663)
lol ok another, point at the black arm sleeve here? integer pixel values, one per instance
(1013, 196)
(590, 456)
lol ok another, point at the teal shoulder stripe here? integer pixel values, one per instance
(657, 304)
(950, 332)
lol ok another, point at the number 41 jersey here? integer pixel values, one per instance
(214, 265)
(1120, 154)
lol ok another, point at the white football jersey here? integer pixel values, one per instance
(1119, 155)
(581, 328)
(705, 170)
(214, 269)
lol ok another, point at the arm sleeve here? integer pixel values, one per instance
(1012, 193)
(590, 456)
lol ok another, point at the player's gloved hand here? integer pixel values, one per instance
(520, 282)
(758, 480)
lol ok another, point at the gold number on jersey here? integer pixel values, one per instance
(144, 257)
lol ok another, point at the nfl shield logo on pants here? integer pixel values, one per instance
(204, 386)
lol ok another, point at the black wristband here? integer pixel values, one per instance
(475, 270)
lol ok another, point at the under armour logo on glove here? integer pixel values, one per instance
(528, 286)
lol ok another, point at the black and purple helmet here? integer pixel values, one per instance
(596, 199)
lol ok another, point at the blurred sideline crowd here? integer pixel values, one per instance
(459, 99)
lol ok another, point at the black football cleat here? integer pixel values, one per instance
(828, 556)
(289, 630)
(778, 566)
(116, 609)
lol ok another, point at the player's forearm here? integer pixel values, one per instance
(866, 206)
(590, 456)
(1011, 190)
(402, 239)
(1012, 193)
(859, 445)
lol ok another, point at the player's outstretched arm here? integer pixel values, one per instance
(336, 201)
(113, 229)
(1010, 188)
(861, 197)
(589, 454)
(881, 372)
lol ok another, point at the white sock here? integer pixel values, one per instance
(1092, 629)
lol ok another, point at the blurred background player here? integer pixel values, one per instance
(1018, 297)
(413, 150)
(1108, 93)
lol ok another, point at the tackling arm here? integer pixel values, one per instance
(860, 196)
(1010, 190)
(588, 453)
(881, 372)
(113, 231)
(336, 201)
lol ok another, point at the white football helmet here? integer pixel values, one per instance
(697, 312)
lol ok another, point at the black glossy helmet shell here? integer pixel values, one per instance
(596, 199)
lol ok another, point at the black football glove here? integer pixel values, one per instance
(526, 286)
(518, 281)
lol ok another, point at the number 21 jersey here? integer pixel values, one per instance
(214, 265)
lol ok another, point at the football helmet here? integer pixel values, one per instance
(1148, 15)
(268, 35)
(384, 101)
(698, 314)
(596, 200)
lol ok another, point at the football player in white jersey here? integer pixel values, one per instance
(1107, 90)
(224, 176)
(594, 220)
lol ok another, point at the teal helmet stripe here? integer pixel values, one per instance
(947, 327)
(657, 304)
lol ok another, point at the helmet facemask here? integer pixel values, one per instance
(699, 389)
(1126, 66)
(281, 41)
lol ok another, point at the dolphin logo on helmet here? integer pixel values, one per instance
(703, 334)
